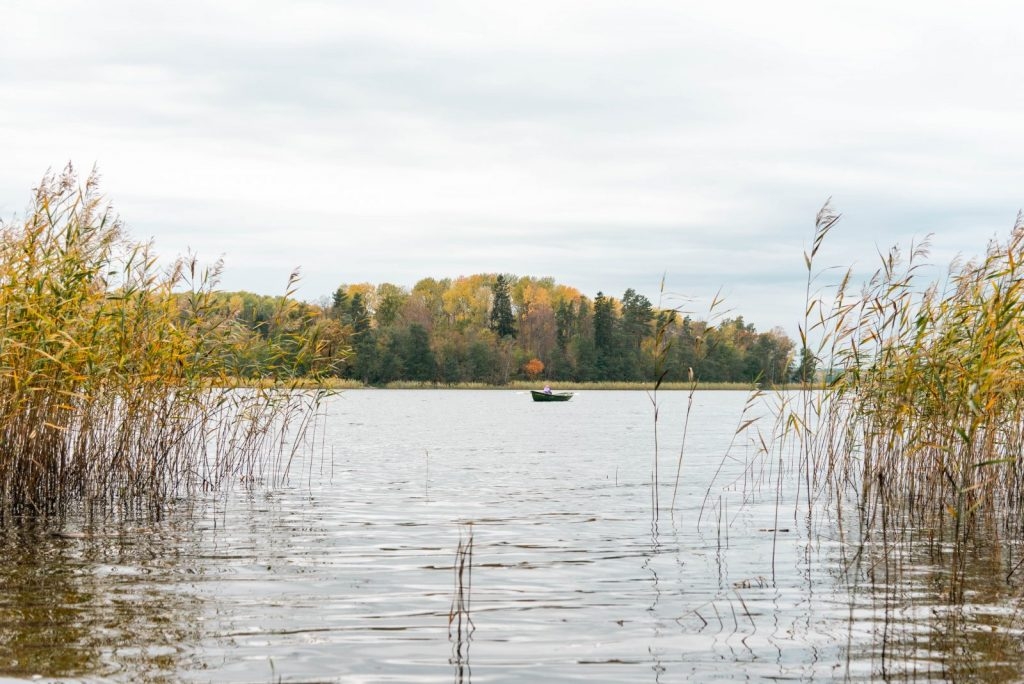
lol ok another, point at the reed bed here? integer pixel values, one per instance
(915, 431)
(116, 376)
(908, 441)
(927, 388)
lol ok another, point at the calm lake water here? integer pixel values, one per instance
(347, 573)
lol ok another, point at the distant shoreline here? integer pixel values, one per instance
(521, 385)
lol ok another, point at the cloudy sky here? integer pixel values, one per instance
(605, 144)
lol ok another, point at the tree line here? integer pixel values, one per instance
(493, 328)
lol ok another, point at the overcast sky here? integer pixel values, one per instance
(604, 144)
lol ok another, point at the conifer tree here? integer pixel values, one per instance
(503, 321)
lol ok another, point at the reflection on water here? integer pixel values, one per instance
(916, 622)
(364, 568)
(460, 617)
(97, 602)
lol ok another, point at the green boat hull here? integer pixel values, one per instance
(553, 396)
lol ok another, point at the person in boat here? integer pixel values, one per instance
(547, 389)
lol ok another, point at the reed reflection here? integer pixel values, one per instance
(932, 608)
(460, 623)
(97, 602)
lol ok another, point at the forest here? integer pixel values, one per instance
(495, 328)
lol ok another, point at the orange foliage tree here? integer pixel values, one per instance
(533, 368)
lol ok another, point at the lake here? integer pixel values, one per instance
(348, 572)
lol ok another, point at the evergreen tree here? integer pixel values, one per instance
(365, 364)
(722, 361)
(481, 361)
(339, 303)
(606, 359)
(587, 367)
(389, 364)
(361, 364)
(637, 314)
(604, 322)
(565, 324)
(418, 361)
(503, 322)
(448, 366)
(358, 315)
(634, 328)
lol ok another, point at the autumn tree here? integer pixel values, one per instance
(769, 357)
(536, 318)
(390, 299)
(467, 303)
(533, 368)
(429, 293)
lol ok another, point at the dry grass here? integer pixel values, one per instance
(114, 386)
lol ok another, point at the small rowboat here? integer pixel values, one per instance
(538, 395)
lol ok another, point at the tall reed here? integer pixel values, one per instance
(115, 374)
